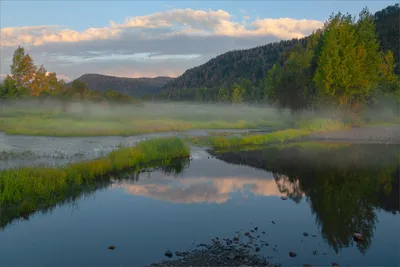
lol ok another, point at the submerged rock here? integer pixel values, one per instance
(273, 222)
(111, 247)
(292, 254)
(305, 234)
(168, 253)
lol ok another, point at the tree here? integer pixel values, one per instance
(340, 72)
(223, 94)
(39, 83)
(237, 94)
(79, 87)
(22, 69)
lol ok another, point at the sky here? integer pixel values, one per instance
(152, 38)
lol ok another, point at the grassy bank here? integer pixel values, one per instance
(305, 129)
(28, 187)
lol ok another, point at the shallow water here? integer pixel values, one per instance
(333, 190)
(25, 150)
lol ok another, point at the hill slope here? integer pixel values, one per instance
(229, 67)
(254, 63)
(135, 87)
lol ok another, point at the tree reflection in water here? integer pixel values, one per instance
(343, 184)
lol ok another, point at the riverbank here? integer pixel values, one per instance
(28, 187)
(390, 134)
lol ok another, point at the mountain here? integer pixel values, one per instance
(254, 63)
(135, 87)
(229, 67)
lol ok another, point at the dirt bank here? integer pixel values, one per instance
(387, 134)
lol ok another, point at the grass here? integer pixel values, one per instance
(27, 187)
(131, 120)
(278, 137)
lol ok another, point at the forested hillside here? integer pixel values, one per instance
(215, 80)
(135, 87)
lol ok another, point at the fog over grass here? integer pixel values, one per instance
(55, 118)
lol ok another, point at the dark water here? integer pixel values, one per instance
(333, 191)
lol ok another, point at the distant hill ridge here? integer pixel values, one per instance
(135, 87)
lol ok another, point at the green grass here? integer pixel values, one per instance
(131, 120)
(278, 137)
(27, 187)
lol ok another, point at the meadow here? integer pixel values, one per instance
(88, 119)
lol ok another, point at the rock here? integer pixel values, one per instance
(258, 236)
(283, 197)
(334, 264)
(263, 232)
(247, 234)
(313, 235)
(252, 231)
(178, 253)
(257, 249)
(236, 238)
(273, 222)
(358, 237)
(111, 247)
(305, 234)
(232, 256)
(256, 228)
(168, 253)
(307, 265)
(314, 252)
(292, 254)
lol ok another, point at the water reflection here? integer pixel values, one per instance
(205, 189)
(343, 184)
(12, 213)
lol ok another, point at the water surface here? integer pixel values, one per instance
(333, 191)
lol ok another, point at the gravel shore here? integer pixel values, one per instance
(242, 249)
(387, 134)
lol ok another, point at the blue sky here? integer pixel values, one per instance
(83, 14)
(64, 40)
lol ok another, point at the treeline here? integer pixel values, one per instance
(28, 81)
(348, 62)
(341, 64)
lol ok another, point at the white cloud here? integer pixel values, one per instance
(163, 42)
(180, 20)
